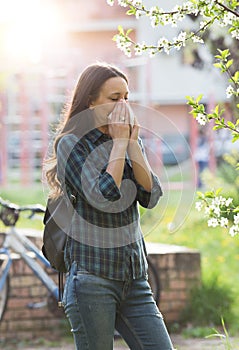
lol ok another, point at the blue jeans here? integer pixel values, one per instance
(96, 306)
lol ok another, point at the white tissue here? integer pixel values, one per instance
(131, 116)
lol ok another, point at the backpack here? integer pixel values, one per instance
(57, 221)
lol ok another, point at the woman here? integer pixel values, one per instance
(100, 158)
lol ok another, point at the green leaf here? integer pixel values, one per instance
(120, 29)
(235, 137)
(217, 127)
(200, 195)
(199, 98)
(225, 53)
(217, 65)
(131, 11)
(128, 31)
(236, 76)
(229, 63)
(218, 191)
(236, 210)
(230, 124)
(209, 194)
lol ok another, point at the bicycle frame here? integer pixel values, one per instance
(20, 244)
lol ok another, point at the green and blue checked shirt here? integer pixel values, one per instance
(106, 237)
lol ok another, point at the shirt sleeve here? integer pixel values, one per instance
(150, 199)
(108, 187)
(83, 171)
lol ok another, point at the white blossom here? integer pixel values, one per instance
(213, 222)
(235, 33)
(234, 230)
(152, 52)
(228, 201)
(229, 91)
(110, 2)
(190, 7)
(216, 211)
(223, 221)
(236, 219)
(219, 201)
(138, 14)
(153, 15)
(139, 48)
(197, 39)
(164, 44)
(199, 206)
(201, 119)
(228, 18)
(137, 3)
(202, 24)
(123, 3)
(179, 41)
(207, 210)
(123, 45)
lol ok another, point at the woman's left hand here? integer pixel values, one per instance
(134, 131)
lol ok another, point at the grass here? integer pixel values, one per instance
(219, 251)
(173, 221)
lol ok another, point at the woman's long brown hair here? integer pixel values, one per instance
(86, 91)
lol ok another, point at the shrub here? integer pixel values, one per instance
(209, 303)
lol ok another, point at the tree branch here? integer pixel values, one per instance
(227, 8)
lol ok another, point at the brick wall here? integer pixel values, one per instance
(178, 268)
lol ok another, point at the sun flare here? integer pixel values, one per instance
(26, 27)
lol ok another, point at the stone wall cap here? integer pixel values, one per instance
(161, 248)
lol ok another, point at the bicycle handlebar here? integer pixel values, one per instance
(10, 214)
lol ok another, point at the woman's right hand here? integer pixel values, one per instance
(118, 123)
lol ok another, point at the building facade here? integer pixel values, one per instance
(33, 93)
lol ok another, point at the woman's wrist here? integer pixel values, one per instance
(120, 143)
(133, 147)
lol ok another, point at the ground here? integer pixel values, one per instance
(179, 342)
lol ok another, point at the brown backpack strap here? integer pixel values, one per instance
(60, 288)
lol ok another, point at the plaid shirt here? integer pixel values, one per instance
(106, 237)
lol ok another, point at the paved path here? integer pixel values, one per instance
(179, 342)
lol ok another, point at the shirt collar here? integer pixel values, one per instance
(96, 134)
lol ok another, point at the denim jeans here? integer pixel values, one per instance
(96, 306)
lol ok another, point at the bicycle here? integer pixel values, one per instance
(15, 242)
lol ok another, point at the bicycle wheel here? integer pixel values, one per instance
(154, 280)
(4, 292)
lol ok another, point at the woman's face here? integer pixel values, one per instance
(113, 90)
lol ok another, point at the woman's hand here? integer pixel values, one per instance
(118, 123)
(135, 131)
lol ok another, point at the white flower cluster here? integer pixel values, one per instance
(122, 3)
(234, 229)
(139, 48)
(235, 33)
(163, 44)
(123, 44)
(227, 19)
(215, 211)
(230, 91)
(197, 39)
(180, 40)
(136, 3)
(157, 15)
(201, 118)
